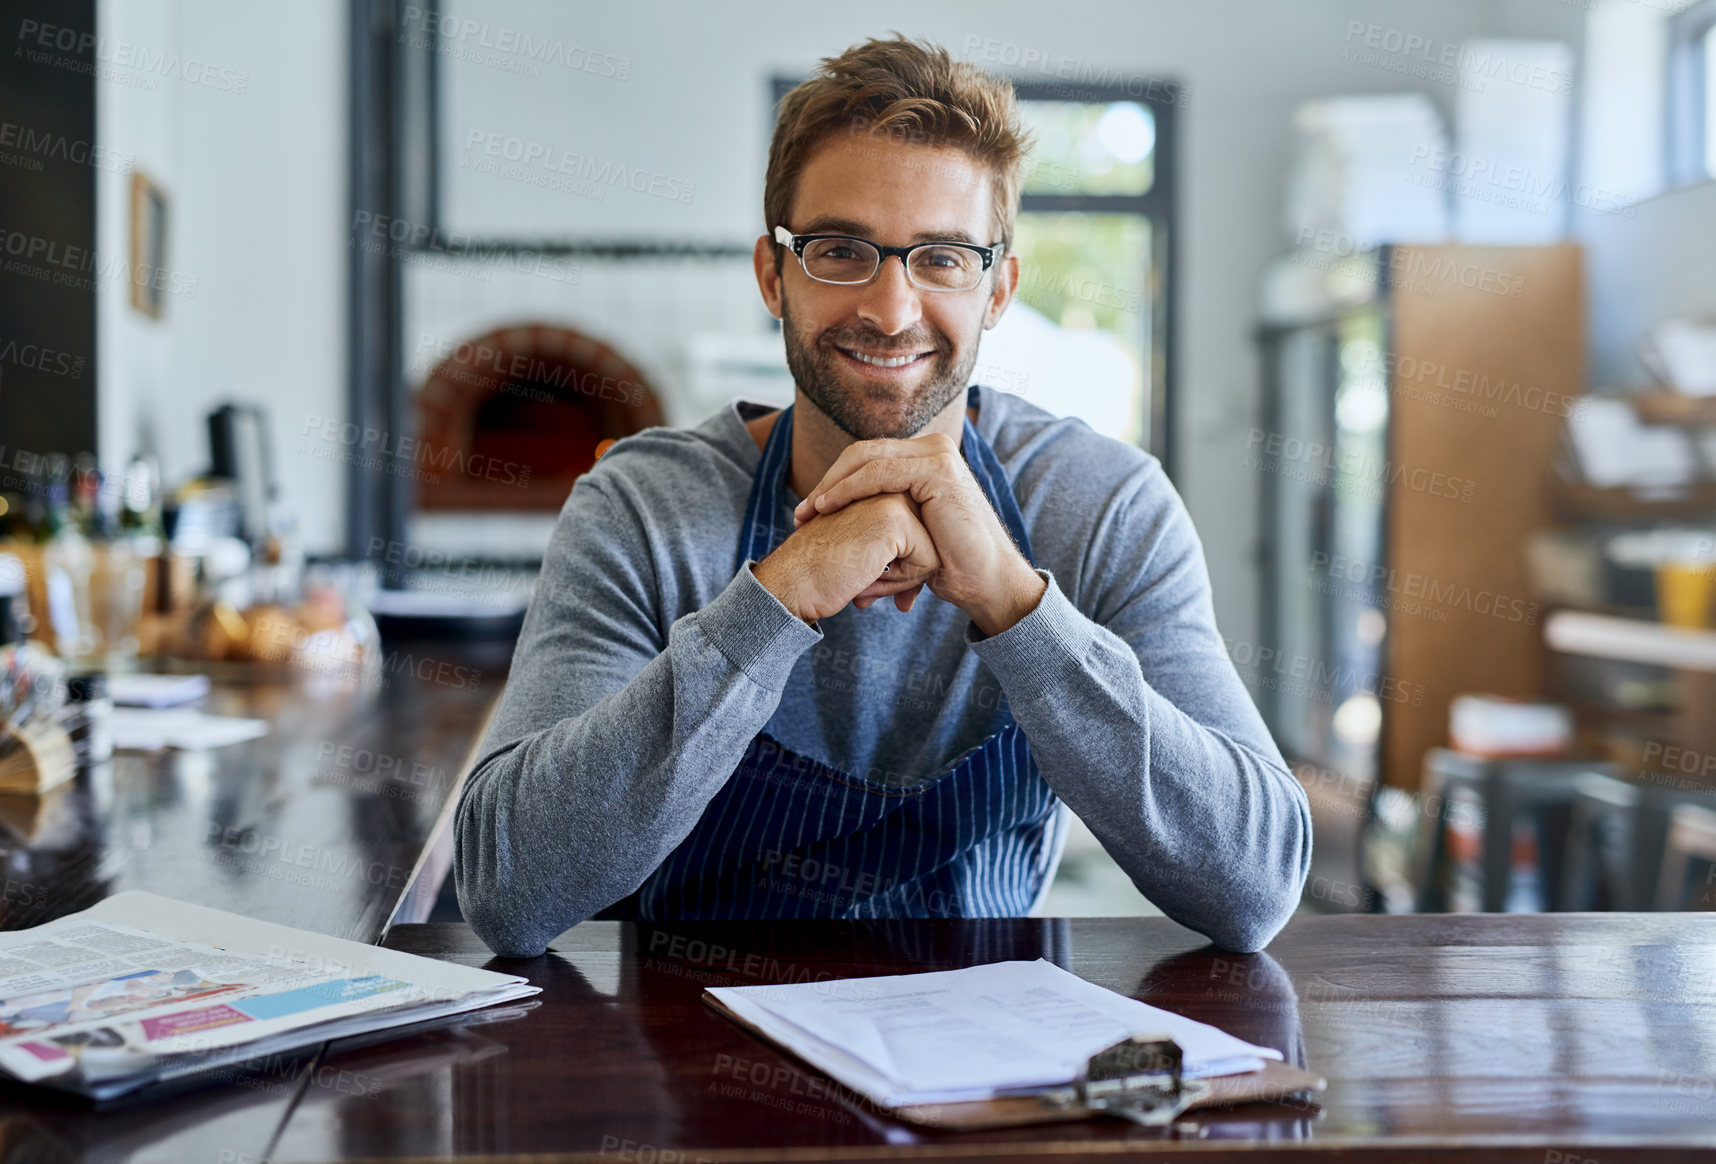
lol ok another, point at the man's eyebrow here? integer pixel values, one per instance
(831, 225)
(946, 236)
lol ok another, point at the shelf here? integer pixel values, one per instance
(1695, 501)
(1632, 640)
(1673, 408)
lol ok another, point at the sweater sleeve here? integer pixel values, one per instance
(1139, 722)
(608, 742)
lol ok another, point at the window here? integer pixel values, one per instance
(1708, 71)
(1094, 239)
(1692, 94)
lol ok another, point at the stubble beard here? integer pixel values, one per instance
(816, 369)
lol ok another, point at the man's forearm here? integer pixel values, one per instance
(573, 817)
(1212, 831)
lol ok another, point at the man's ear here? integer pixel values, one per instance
(768, 277)
(1006, 282)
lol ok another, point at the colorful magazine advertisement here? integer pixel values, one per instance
(141, 988)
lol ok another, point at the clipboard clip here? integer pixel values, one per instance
(1138, 1079)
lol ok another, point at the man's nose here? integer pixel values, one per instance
(890, 302)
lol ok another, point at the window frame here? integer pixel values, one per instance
(1157, 207)
(1690, 157)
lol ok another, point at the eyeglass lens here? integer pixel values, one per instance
(841, 260)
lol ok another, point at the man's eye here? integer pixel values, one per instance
(839, 251)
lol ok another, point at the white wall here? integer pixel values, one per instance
(258, 186)
(138, 357)
(244, 127)
(1658, 258)
(1659, 263)
(693, 107)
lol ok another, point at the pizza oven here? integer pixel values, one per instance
(509, 419)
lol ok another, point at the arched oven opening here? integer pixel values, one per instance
(510, 419)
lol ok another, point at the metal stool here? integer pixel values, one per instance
(1691, 836)
(1597, 864)
(1510, 802)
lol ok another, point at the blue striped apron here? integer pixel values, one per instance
(791, 836)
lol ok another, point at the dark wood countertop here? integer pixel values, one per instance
(1501, 1038)
(320, 824)
(1534, 1038)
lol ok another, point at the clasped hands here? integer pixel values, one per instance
(891, 517)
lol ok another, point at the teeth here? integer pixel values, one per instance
(879, 362)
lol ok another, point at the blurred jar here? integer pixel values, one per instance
(117, 585)
(88, 718)
(1686, 593)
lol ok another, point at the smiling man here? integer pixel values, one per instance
(859, 657)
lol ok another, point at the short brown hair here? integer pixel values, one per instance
(908, 90)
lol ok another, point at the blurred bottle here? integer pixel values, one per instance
(67, 564)
(12, 518)
(33, 523)
(140, 497)
(15, 620)
(85, 493)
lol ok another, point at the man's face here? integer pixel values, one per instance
(893, 194)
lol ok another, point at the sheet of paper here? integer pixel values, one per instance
(148, 729)
(142, 690)
(1684, 352)
(954, 1035)
(1614, 448)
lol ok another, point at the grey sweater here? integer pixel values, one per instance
(646, 665)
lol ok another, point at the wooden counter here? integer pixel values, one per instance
(1492, 1037)
(319, 824)
(1541, 1039)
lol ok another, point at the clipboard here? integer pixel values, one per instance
(1137, 1079)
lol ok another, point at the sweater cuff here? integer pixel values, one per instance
(756, 632)
(1033, 649)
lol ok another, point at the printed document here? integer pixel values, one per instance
(953, 1035)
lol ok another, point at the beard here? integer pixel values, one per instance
(816, 369)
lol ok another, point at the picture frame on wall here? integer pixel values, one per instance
(148, 245)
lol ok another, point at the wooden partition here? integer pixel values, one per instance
(1487, 360)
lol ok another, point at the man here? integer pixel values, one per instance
(856, 658)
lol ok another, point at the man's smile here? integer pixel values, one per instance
(885, 364)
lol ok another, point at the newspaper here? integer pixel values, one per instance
(141, 988)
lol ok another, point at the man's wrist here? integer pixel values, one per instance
(754, 630)
(1017, 598)
(770, 574)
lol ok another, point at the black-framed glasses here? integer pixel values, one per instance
(846, 260)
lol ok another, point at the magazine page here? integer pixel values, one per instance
(181, 921)
(103, 999)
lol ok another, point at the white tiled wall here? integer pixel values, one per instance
(646, 309)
